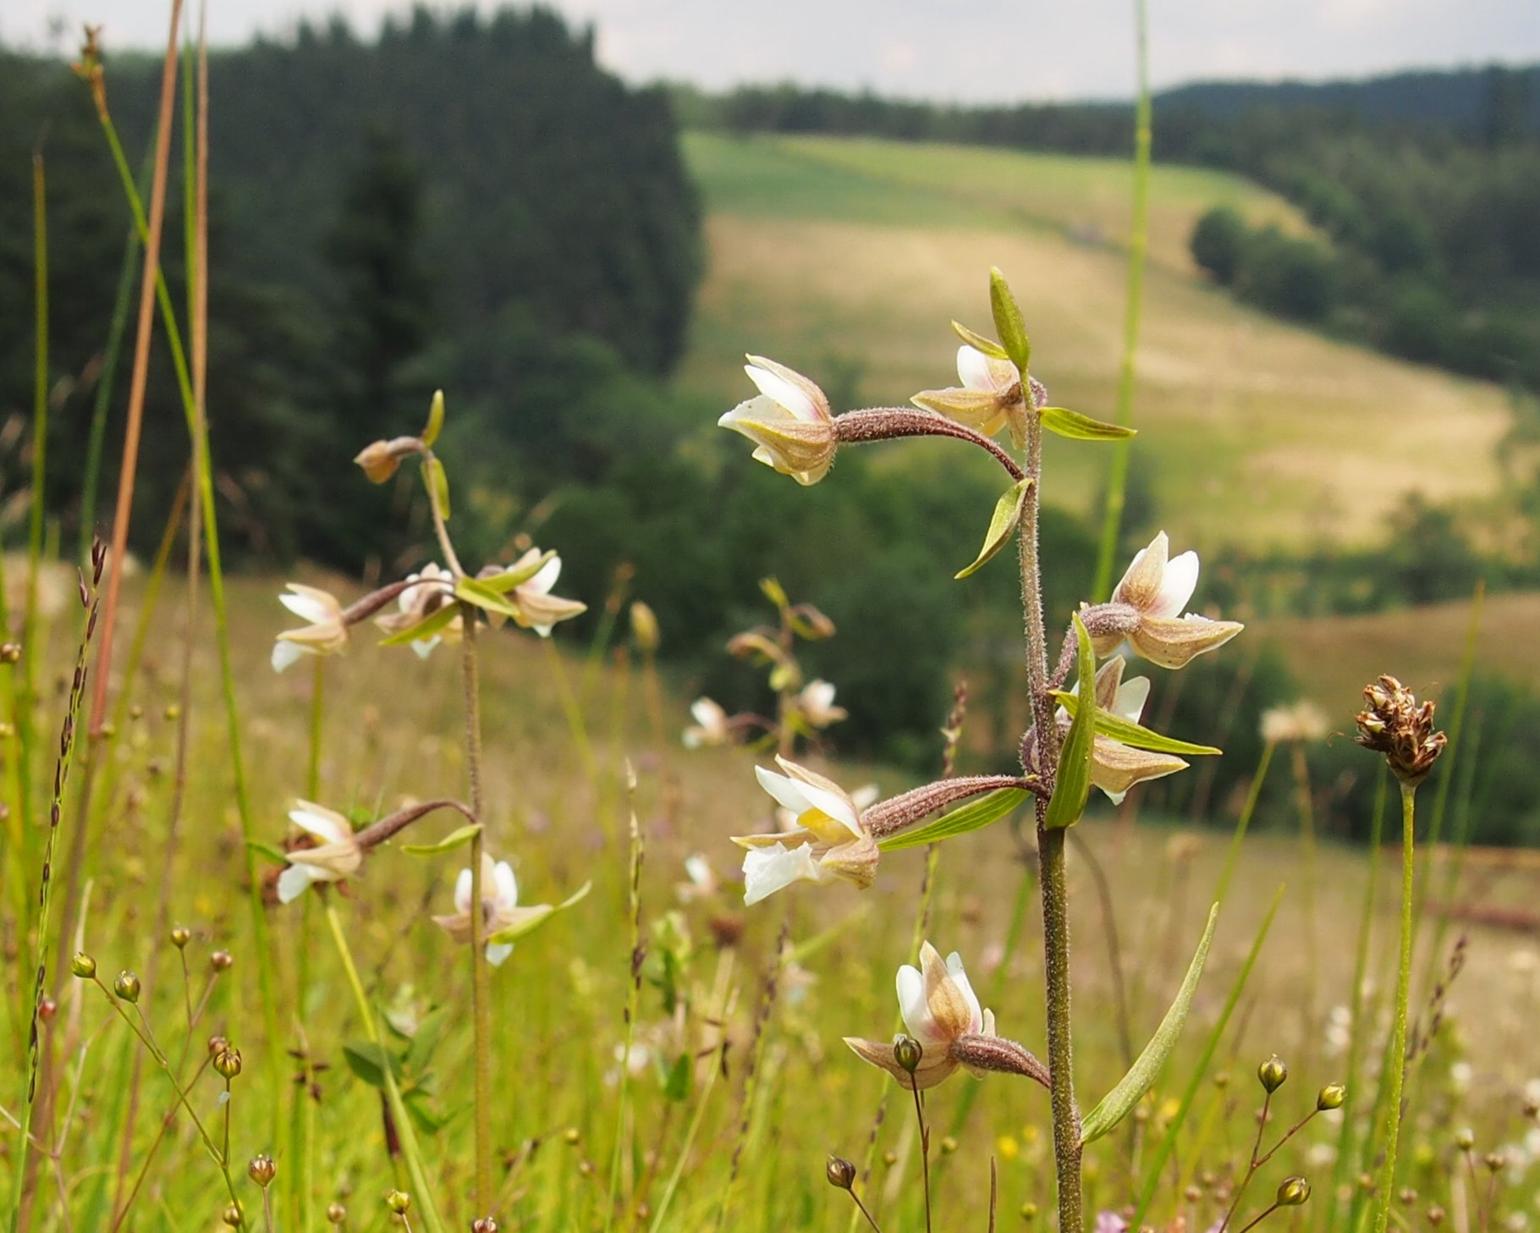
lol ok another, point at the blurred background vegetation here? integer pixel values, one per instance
(470, 201)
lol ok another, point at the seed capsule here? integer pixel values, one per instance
(262, 1170)
(180, 937)
(907, 1052)
(336, 1213)
(1465, 1138)
(221, 961)
(232, 1216)
(1272, 1073)
(1331, 1097)
(127, 986)
(399, 1202)
(840, 1172)
(82, 965)
(1293, 1192)
(228, 1062)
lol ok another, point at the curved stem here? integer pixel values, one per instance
(481, 993)
(887, 423)
(1396, 1060)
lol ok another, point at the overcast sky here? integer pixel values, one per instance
(971, 50)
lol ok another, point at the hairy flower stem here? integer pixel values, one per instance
(1050, 846)
(481, 994)
(1396, 1061)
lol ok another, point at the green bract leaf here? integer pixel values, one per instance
(1008, 322)
(1072, 784)
(1001, 524)
(504, 582)
(456, 838)
(1079, 427)
(270, 850)
(775, 592)
(426, 628)
(475, 591)
(437, 483)
(1127, 732)
(978, 342)
(1141, 1076)
(530, 919)
(973, 816)
(435, 419)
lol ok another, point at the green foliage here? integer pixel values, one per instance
(1217, 242)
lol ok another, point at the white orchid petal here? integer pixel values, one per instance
(497, 952)
(1132, 695)
(322, 823)
(545, 577)
(912, 1006)
(286, 654)
(782, 392)
(769, 869)
(1176, 585)
(788, 793)
(506, 886)
(293, 881)
(463, 893)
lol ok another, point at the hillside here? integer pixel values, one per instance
(848, 256)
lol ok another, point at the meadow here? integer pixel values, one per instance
(660, 1057)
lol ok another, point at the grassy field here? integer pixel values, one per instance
(389, 735)
(846, 258)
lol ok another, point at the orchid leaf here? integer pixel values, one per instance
(517, 576)
(474, 591)
(1001, 526)
(1126, 732)
(975, 815)
(978, 342)
(1077, 427)
(1008, 322)
(527, 920)
(1141, 1076)
(428, 627)
(456, 838)
(1072, 784)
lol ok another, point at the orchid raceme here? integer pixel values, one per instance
(942, 1013)
(1116, 767)
(431, 588)
(827, 839)
(335, 855)
(325, 631)
(789, 423)
(1157, 587)
(816, 704)
(499, 907)
(711, 726)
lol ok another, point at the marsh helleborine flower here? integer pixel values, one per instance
(789, 423)
(336, 854)
(324, 633)
(711, 727)
(816, 704)
(1116, 767)
(538, 609)
(1157, 589)
(432, 587)
(499, 907)
(827, 840)
(989, 399)
(942, 1013)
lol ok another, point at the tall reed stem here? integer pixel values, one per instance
(1396, 1061)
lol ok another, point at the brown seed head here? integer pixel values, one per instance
(180, 937)
(228, 1062)
(262, 1170)
(221, 961)
(10, 652)
(840, 1172)
(336, 1213)
(126, 986)
(1393, 723)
